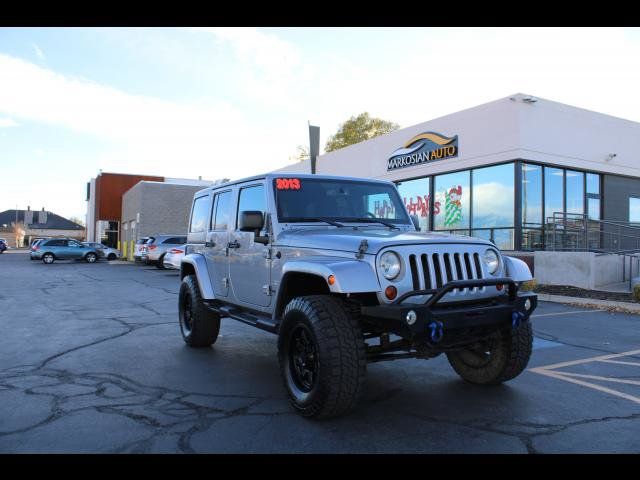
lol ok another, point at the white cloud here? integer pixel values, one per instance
(146, 134)
(38, 51)
(7, 122)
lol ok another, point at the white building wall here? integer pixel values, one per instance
(499, 131)
(91, 212)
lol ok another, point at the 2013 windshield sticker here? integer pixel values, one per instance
(288, 184)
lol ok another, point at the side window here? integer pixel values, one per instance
(251, 198)
(199, 214)
(222, 205)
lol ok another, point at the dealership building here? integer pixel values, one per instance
(507, 171)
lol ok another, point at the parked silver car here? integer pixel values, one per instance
(173, 257)
(104, 251)
(137, 252)
(157, 246)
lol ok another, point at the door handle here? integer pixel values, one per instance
(233, 244)
(209, 244)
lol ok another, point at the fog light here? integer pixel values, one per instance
(527, 304)
(411, 317)
(391, 292)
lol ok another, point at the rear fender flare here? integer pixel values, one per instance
(196, 263)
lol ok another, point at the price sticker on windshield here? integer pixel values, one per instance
(288, 184)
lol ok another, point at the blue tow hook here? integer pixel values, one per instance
(516, 319)
(437, 331)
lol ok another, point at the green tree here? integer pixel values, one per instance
(358, 129)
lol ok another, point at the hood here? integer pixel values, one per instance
(348, 239)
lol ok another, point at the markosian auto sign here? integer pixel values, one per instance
(426, 147)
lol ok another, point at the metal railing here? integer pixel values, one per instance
(577, 232)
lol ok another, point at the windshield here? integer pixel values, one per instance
(321, 199)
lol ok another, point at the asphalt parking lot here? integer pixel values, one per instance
(91, 360)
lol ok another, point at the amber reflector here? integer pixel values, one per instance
(499, 287)
(331, 279)
(391, 292)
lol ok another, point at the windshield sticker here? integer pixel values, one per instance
(288, 184)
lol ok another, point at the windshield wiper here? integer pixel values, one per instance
(374, 220)
(314, 219)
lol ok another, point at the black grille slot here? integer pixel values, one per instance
(447, 267)
(436, 267)
(426, 271)
(414, 272)
(456, 261)
(470, 275)
(476, 260)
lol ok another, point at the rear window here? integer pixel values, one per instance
(176, 240)
(142, 241)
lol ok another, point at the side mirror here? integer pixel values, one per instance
(251, 220)
(416, 221)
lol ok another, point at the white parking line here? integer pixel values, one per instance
(551, 371)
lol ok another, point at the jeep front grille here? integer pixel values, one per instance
(433, 270)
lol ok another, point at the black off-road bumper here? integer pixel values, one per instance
(432, 320)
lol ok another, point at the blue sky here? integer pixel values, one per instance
(235, 102)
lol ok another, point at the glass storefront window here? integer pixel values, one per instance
(593, 206)
(451, 207)
(492, 196)
(417, 197)
(593, 183)
(553, 191)
(531, 195)
(575, 192)
(634, 209)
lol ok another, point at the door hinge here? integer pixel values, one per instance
(267, 254)
(267, 290)
(225, 282)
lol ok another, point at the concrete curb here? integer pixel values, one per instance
(623, 307)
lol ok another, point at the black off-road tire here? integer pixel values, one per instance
(199, 325)
(509, 353)
(339, 356)
(160, 263)
(91, 257)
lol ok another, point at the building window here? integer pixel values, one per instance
(575, 192)
(553, 192)
(492, 204)
(593, 195)
(452, 193)
(532, 221)
(634, 210)
(416, 195)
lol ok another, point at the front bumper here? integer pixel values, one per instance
(430, 321)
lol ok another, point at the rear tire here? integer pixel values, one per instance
(160, 263)
(91, 257)
(199, 325)
(322, 357)
(502, 358)
(112, 256)
(48, 258)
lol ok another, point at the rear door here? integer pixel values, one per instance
(216, 244)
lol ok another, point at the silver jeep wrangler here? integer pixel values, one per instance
(338, 269)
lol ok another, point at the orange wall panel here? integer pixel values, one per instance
(109, 190)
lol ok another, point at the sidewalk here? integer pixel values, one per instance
(611, 306)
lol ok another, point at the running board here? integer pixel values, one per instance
(262, 322)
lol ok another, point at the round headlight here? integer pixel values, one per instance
(390, 265)
(491, 260)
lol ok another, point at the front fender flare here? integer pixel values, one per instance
(199, 265)
(517, 270)
(351, 276)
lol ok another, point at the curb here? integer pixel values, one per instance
(608, 305)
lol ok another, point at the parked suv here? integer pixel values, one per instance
(3, 245)
(104, 251)
(137, 252)
(338, 269)
(154, 250)
(52, 249)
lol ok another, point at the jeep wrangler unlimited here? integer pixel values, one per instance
(338, 269)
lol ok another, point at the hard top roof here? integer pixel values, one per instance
(272, 175)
